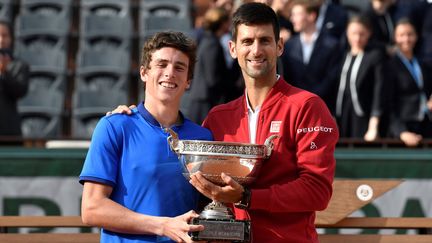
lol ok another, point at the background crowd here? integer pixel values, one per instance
(369, 60)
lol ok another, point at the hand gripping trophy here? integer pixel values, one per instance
(241, 161)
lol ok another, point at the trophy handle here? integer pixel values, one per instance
(269, 145)
(173, 140)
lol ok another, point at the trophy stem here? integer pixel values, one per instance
(216, 210)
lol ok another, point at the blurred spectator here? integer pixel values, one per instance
(415, 10)
(410, 84)
(268, 2)
(309, 58)
(14, 77)
(382, 21)
(332, 19)
(228, 5)
(283, 10)
(425, 49)
(383, 15)
(211, 78)
(359, 104)
(199, 8)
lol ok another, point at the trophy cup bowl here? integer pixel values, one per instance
(240, 161)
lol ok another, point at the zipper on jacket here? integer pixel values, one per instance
(260, 123)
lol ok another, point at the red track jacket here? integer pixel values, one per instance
(297, 179)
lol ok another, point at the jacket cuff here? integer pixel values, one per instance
(260, 199)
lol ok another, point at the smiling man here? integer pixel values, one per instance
(297, 179)
(133, 183)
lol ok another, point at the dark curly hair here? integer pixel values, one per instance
(173, 39)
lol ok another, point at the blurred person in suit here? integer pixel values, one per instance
(283, 10)
(383, 16)
(410, 84)
(359, 104)
(310, 57)
(14, 80)
(211, 83)
(332, 19)
(425, 50)
(382, 20)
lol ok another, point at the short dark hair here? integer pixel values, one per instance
(255, 13)
(361, 19)
(173, 39)
(406, 20)
(310, 6)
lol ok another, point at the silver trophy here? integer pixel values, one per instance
(241, 161)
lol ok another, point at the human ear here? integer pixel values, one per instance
(143, 73)
(280, 47)
(232, 49)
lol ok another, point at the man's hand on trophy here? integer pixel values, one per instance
(122, 109)
(177, 228)
(231, 192)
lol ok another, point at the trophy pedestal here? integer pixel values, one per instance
(222, 230)
(241, 161)
(220, 225)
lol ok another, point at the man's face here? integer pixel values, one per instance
(256, 50)
(300, 18)
(167, 76)
(5, 37)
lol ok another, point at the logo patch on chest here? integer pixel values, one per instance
(275, 126)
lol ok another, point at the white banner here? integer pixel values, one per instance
(62, 196)
(38, 196)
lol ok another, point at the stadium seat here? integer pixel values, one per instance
(90, 106)
(164, 15)
(43, 24)
(156, 23)
(47, 7)
(166, 8)
(31, 24)
(105, 32)
(153, 24)
(102, 69)
(41, 113)
(47, 68)
(105, 8)
(47, 81)
(34, 30)
(6, 10)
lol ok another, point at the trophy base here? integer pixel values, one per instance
(222, 230)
